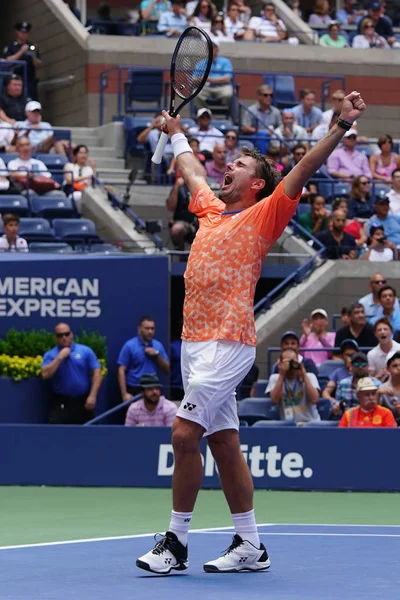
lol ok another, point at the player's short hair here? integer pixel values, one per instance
(266, 170)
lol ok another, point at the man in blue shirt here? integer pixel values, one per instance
(219, 82)
(141, 354)
(350, 14)
(173, 23)
(307, 114)
(387, 298)
(76, 378)
(370, 301)
(390, 223)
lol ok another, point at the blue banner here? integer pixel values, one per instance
(281, 458)
(107, 294)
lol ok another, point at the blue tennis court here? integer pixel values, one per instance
(350, 562)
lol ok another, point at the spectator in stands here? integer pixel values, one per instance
(244, 11)
(78, 174)
(275, 155)
(370, 302)
(24, 50)
(368, 37)
(295, 391)
(195, 146)
(10, 240)
(361, 203)
(389, 392)
(268, 28)
(203, 15)
(358, 329)
(333, 39)
(151, 10)
(13, 100)
(317, 219)
(379, 249)
(321, 14)
(153, 409)
(104, 24)
(383, 164)
(261, 117)
(394, 194)
(76, 379)
(316, 335)
(348, 349)
(378, 356)
(218, 29)
(349, 14)
(173, 23)
(307, 114)
(139, 355)
(219, 82)
(352, 226)
(344, 316)
(346, 162)
(382, 26)
(338, 243)
(30, 172)
(233, 24)
(74, 9)
(337, 103)
(7, 137)
(205, 132)
(387, 299)
(299, 151)
(247, 388)
(40, 133)
(391, 223)
(216, 168)
(150, 135)
(231, 145)
(346, 396)
(291, 341)
(184, 224)
(289, 132)
(322, 129)
(368, 413)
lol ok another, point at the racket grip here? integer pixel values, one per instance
(159, 152)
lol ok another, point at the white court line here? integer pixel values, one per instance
(304, 534)
(209, 530)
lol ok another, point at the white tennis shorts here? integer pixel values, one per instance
(211, 371)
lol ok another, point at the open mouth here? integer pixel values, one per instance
(227, 180)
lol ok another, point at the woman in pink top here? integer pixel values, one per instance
(315, 335)
(383, 164)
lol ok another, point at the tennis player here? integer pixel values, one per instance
(219, 339)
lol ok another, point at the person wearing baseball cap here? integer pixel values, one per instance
(207, 135)
(316, 335)
(369, 413)
(40, 133)
(290, 340)
(390, 223)
(382, 25)
(23, 49)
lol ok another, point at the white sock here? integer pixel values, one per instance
(179, 525)
(246, 527)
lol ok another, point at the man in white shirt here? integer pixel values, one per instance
(290, 132)
(39, 132)
(378, 356)
(10, 241)
(7, 135)
(24, 167)
(268, 27)
(394, 194)
(172, 23)
(207, 135)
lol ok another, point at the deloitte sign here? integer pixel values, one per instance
(270, 463)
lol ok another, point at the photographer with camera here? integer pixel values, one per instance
(23, 49)
(380, 249)
(294, 390)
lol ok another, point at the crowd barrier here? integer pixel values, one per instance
(279, 458)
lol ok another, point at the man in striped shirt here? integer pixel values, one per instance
(152, 410)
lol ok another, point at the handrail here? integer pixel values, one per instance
(112, 410)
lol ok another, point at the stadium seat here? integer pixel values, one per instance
(188, 122)
(322, 380)
(255, 409)
(75, 231)
(36, 230)
(284, 90)
(55, 164)
(53, 247)
(326, 368)
(50, 207)
(16, 205)
(341, 189)
(380, 189)
(145, 87)
(246, 144)
(9, 156)
(132, 127)
(324, 408)
(261, 385)
(96, 247)
(321, 423)
(303, 208)
(274, 423)
(222, 124)
(243, 424)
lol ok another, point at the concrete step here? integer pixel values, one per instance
(108, 163)
(103, 151)
(89, 140)
(81, 131)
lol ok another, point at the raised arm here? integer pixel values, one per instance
(352, 109)
(192, 171)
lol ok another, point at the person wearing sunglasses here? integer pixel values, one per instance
(75, 375)
(347, 162)
(218, 29)
(262, 118)
(378, 356)
(361, 202)
(233, 25)
(346, 396)
(268, 28)
(370, 301)
(231, 144)
(368, 37)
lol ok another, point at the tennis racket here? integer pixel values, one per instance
(190, 66)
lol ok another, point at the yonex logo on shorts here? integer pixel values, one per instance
(189, 406)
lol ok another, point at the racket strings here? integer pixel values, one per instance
(191, 64)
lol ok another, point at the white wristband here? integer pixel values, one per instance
(180, 144)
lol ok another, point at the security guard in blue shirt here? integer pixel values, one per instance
(76, 378)
(141, 354)
(24, 49)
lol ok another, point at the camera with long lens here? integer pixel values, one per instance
(294, 364)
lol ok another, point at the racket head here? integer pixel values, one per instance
(190, 66)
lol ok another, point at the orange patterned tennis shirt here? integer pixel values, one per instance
(225, 264)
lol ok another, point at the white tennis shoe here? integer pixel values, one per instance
(167, 554)
(240, 556)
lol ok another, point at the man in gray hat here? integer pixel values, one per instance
(153, 409)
